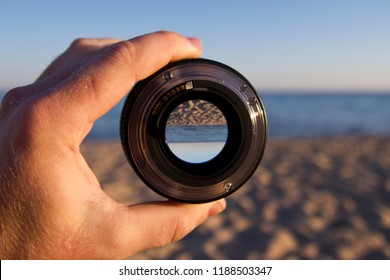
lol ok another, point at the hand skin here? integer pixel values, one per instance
(52, 206)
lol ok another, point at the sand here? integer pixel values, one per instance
(311, 198)
(196, 112)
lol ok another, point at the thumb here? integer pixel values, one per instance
(156, 224)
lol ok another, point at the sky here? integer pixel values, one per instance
(334, 45)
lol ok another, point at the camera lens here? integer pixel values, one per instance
(195, 131)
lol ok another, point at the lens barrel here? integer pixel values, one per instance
(147, 113)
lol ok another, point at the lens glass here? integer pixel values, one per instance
(196, 131)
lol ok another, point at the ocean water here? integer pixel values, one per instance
(183, 134)
(196, 144)
(297, 115)
(300, 115)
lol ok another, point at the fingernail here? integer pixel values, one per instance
(196, 42)
(217, 207)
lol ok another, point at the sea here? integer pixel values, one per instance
(295, 114)
(299, 115)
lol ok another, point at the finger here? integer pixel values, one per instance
(156, 224)
(104, 80)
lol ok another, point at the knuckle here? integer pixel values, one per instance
(24, 122)
(80, 45)
(123, 49)
(35, 115)
(172, 38)
(170, 34)
(122, 54)
(80, 42)
(181, 229)
(13, 94)
(167, 234)
(12, 98)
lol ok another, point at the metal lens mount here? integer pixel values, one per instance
(144, 120)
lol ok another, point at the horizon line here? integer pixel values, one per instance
(271, 90)
(320, 91)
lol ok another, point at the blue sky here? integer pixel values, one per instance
(277, 45)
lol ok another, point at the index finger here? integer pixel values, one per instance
(95, 88)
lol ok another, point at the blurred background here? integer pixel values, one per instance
(322, 69)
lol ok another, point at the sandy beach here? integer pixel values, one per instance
(196, 112)
(311, 198)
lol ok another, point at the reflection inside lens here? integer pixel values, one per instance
(196, 131)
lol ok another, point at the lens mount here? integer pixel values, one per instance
(146, 113)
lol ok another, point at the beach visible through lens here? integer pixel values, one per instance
(196, 131)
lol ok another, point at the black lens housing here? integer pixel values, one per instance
(144, 119)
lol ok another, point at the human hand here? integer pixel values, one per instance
(52, 206)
